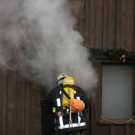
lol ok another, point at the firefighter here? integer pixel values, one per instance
(70, 116)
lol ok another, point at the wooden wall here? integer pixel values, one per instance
(19, 105)
(107, 23)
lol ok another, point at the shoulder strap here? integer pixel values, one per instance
(64, 92)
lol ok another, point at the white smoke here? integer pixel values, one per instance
(38, 38)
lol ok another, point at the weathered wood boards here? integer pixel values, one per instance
(20, 105)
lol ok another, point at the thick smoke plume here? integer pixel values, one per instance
(37, 37)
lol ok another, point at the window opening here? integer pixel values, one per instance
(116, 91)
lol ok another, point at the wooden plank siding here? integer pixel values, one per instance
(92, 23)
(133, 100)
(120, 130)
(99, 16)
(129, 25)
(20, 105)
(96, 102)
(87, 23)
(133, 25)
(132, 129)
(81, 21)
(118, 24)
(123, 24)
(111, 24)
(105, 130)
(3, 102)
(107, 24)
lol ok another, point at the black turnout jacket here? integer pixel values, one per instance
(54, 99)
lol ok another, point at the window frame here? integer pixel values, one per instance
(119, 120)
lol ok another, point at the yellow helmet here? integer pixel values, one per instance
(68, 80)
(61, 75)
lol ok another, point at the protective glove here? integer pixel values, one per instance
(76, 105)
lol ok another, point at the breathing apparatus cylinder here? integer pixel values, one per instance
(70, 91)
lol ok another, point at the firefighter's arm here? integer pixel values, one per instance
(85, 99)
(76, 105)
(47, 101)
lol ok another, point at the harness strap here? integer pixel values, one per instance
(64, 92)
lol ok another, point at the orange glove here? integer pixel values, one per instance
(76, 105)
